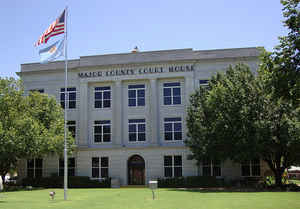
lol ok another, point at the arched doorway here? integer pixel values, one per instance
(136, 170)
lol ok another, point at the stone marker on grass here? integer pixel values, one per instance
(115, 183)
(152, 186)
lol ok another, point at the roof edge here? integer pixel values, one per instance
(226, 49)
(140, 52)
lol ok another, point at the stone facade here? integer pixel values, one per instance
(118, 71)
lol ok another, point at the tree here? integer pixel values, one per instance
(238, 119)
(245, 116)
(281, 68)
(30, 126)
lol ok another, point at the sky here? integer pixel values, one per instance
(117, 26)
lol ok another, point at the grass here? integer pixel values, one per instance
(132, 198)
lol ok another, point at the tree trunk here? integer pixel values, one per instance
(277, 170)
(3, 180)
(3, 177)
(278, 178)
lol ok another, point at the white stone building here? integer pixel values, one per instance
(127, 112)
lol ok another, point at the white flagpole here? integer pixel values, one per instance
(66, 95)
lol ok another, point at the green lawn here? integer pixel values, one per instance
(130, 198)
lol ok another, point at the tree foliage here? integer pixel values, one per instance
(237, 119)
(281, 68)
(30, 126)
(245, 116)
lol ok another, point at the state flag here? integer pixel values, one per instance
(52, 52)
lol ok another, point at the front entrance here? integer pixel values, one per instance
(136, 170)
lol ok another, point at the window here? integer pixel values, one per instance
(211, 167)
(102, 97)
(173, 166)
(102, 131)
(70, 98)
(35, 168)
(136, 95)
(38, 90)
(100, 167)
(203, 83)
(72, 127)
(71, 167)
(173, 129)
(251, 167)
(172, 95)
(137, 130)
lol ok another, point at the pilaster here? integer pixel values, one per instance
(118, 114)
(188, 89)
(154, 112)
(83, 114)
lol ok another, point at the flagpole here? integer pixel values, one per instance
(65, 121)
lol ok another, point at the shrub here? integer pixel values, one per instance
(12, 188)
(171, 182)
(251, 181)
(73, 182)
(190, 182)
(293, 187)
(86, 182)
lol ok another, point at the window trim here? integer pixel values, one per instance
(67, 100)
(173, 166)
(102, 124)
(35, 168)
(99, 167)
(250, 166)
(63, 168)
(173, 129)
(205, 83)
(136, 129)
(72, 125)
(136, 94)
(172, 96)
(102, 92)
(212, 165)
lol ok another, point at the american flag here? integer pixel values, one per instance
(56, 28)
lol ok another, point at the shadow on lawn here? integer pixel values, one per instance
(217, 190)
(21, 189)
(56, 201)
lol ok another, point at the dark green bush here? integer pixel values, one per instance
(86, 182)
(13, 188)
(190, 182)
(58, 182)
(293, 187)
(251, 181)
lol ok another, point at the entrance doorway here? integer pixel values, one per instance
(136, 170)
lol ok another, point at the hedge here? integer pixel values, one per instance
(190, 182)
(73, 182)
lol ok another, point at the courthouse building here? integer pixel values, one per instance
(127, 113)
